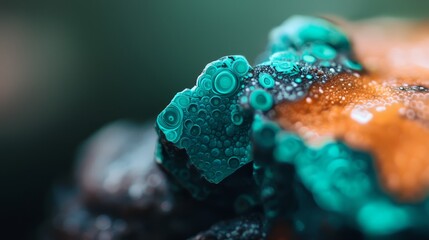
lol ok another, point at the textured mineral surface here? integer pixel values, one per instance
(337, 120)
(325, 137)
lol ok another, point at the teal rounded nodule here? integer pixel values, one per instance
(183, 101)
(225, 83)
(171, 117)
(286, 67)
(215, 101)
(236, 118)
(266, 80)
(352, 65)
(300, 30)
(261, 100)
(205, 119)
(212, 123)
(233, 162)
(172, 136)
(380, 217)
(240, 66)
(195, 130)
(323, 51)
(324, 31)
(205, 83)
(308, 58)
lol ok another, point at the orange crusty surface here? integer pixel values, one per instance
(384, 110)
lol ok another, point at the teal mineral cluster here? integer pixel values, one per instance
(300, 31)
(208, 122)
(222, 132)
(341, 180)
(211, 122)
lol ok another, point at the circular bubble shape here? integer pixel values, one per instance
(333, 150)
(200, 122)
(266, 80)
(216, 113)
(188, 123)
(308, 58)
(233, 162)
(240, 66)
(323, 51)
(193, 108)
(211, 69)
(205, 83)
(236, 118)
(172, 136)
(286, 67)
(205, 140)
(205, 99)
(199, 92)
(216, 163)
(182, 100)
(185, 142)
(195, 130)
(225, 83)
(202, 113)
(244, 100)
(229, 151)
(219, 174)
(215, 152)
(215, 101)
(261, 100)
(298, 80)
(170, 118)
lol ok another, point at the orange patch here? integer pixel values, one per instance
(370, 112)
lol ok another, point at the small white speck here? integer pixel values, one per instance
(361, 116)
(380, 108)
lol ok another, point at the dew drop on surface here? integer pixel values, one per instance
(380, 108)
(361, 116)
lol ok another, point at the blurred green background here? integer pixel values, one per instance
(69, 67)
